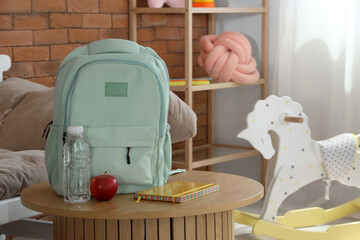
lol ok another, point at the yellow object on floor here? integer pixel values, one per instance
(288, 227)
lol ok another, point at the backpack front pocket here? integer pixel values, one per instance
(126, 153)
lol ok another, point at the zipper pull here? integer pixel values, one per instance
(128, 155)
(47, 130)
(64, 138)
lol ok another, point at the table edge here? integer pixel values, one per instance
(146, 215)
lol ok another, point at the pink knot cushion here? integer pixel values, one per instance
(170, 3)
(228, 57)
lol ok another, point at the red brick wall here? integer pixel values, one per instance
(38, 34)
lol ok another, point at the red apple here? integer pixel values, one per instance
(103, 187)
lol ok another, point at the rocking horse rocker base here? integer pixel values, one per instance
(289, 226)
(300, 160)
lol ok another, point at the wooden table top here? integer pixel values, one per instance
(235, 191)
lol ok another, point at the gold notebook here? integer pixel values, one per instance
(177, 191)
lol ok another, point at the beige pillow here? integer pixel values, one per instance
(19, 170)
(13, 90)
(181, 118)
(24, 125)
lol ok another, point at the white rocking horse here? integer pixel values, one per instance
(300, 160)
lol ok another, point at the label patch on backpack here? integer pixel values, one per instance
(114, 89)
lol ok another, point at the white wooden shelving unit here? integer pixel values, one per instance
(188, 89)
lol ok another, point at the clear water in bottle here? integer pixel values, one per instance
(76, 166)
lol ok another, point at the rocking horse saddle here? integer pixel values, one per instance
(339, 155)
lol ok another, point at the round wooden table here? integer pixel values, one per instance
(207, 217)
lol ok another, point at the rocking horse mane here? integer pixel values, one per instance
(275, 106)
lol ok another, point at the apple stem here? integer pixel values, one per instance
(107, 173)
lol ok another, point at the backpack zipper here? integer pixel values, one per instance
(161, 92)
(128, 155)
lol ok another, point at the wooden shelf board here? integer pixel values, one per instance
(246, 152)
(195, 148)
(213, 86)
(225, 158)
(216, 160)
(208, 146)
(228, 10)
(199, 10)
(231, 146)
(158, 10)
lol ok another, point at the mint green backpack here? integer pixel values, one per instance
(119, 91)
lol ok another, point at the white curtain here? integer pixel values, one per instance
(315, 59)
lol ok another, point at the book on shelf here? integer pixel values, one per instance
(195, 81)
(177, 192)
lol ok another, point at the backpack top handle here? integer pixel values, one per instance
(113, 46)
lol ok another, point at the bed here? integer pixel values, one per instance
(19, 168)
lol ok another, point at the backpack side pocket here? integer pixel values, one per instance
(51, 156)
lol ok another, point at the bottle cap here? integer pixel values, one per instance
(75, 129)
